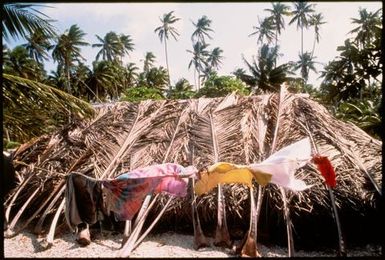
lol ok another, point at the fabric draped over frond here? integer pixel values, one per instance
(123, 136)
(82, 200)
(222, 172)
(125, 193)
(283, 164)
(325, 167)
(278, 169)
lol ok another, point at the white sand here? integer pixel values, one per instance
(167, 245)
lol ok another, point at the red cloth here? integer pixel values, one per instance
(326, 169)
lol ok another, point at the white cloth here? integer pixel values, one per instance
(284, 163)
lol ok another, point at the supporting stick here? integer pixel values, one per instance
(290, 242)
(51, 232)
(153, 223)
(341, 243)
(128, 246)
(222, 236)
(249, 247)
(200, 239)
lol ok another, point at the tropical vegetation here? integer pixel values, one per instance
(350, 89)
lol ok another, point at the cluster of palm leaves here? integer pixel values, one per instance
(204, 60)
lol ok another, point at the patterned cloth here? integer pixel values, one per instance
(125, 194)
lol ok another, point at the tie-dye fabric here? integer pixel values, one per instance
(125, 194)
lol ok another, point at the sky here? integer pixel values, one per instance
(232, 24)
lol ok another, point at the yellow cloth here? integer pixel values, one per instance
(223, 172)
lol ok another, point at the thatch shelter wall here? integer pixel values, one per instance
(203, 131)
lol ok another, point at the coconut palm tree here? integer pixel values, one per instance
(301, 15)
(202, 30)
(82, 73)
(181, 90)
(21, 19)
(37, 46)
(277, 12)
(265, 74)
(148, 61)
(110, 46)
(67, 50)
(316, 20)
(199, 59)
(215, 58)
(164, 31)
(30, 98)
(17, 62)
(104, 80)
(157, 78)
(264, 30)
(113, 46)
(6, 52)
(368, 25)
(305, 64)
(130, 75)
(242, 75)
(126, 45)
(213, 62)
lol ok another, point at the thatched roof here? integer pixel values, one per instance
(235, 129)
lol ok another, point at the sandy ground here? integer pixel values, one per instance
(165, 245)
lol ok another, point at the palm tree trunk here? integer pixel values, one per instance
(222, 236)
(312, 51)
(168, 69)
(67, 71)
(199, 80)
(249, 248)
(302, 40)
(276, 39)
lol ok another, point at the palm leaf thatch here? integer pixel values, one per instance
(125, 136)
(29, 107)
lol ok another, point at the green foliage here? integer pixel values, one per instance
(181, 90)
(8, 145)
(32, 109)
(358, 65)
(37, 46)
(219, 86)
(20, 20)
(305, 64)
(266, 29)
(113, 46)
(67, 50)
(265, 75)
(137, 94)
(19, 63)
(365, 114)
